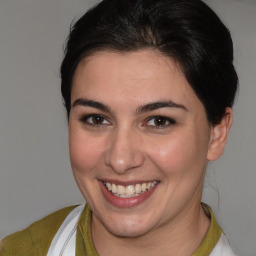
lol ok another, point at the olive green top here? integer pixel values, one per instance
(37, 238)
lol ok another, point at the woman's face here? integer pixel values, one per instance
(139, 140)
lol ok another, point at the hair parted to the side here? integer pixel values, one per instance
(187, 31)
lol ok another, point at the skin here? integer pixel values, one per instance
(127, 146)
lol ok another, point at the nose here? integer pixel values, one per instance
(124, 152)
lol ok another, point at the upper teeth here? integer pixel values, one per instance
(130, 190)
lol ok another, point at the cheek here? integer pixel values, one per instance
(171, 157)
(180, 154)
(85, 153)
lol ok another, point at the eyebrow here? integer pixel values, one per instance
(160, 104)
(92, 104)
(145, 108)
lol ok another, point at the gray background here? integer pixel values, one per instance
(35, 174)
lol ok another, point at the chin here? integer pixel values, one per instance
(129, 227)
(128, 231)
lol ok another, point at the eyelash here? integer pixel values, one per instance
(85, 120)
(170, 122)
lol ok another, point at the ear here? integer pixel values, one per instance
(219, 135)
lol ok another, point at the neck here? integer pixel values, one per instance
(178, 237)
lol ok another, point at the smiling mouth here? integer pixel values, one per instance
(130, 190)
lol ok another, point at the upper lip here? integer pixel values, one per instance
(126, 183)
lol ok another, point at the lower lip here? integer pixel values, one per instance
(125, 202)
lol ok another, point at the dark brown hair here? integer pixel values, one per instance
(187, 31)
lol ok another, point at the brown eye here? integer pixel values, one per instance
(160, 122)
(97, 119)
(94, 120)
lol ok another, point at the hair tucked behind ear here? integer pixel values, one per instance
(187, 31)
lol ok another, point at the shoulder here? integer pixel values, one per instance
(222, 248)
(36, 239)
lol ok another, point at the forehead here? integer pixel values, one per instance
(145, 75)
(135, 64)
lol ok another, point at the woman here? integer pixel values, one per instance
(148, 87)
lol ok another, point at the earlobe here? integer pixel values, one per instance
(219, 135)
